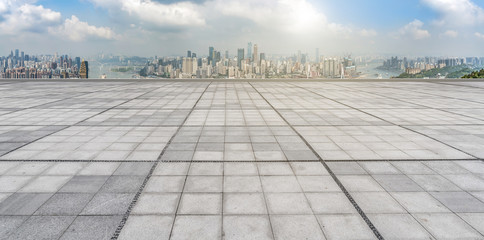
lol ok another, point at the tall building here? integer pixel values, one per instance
(187, 65)
(210, 53)
(240, 57)
(255, 57)
(84, 71)
(249, 50)
(78, 63)
(189, 53)
(262, 56)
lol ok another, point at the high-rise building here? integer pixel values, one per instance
(262, 56)
(249, 50)
(240, 57)
(187, 65)
(84, 71)
(255, 57)
(189, 54)
(78, 62)
(226, 54)
(16, 53)
(210, 53)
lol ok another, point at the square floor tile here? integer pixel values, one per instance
(200, 203)
(287, 203)
(347, 226)
(152, 203)
(450, 226)
(197, 227)
(92, 227)
(247, 227)
(296, 227)
(244, 203)
(398, 226)
(147, 227)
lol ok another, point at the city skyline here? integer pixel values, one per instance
(144, 27)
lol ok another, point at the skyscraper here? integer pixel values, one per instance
(189, 53)
(84, 71)
(249, 50)
(255, 57)
(210, 54)
(240, 57)
(78, 63)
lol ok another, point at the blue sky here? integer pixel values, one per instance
(170, 27)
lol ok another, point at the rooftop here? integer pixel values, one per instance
(241, 160)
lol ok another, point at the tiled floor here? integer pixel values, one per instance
(241, 160)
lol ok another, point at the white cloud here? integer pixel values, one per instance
(457, 12)
(163, 15)
(287, 15)
(479, 35)
(76, 30)
(368, 33)
(451, 34)
(413, 30)
(20, 17)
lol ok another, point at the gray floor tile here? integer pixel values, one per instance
(84, 184)
(476, 220)
(460, 202)
(296, 227)
(197, 227)
(133, 169)
(397, 183)
(23, 203)
(242, 184)
(244, 203)
(246, 227)
(201, 203)
(434, 183)
(360, 183)
(398, 226)
(147, 227)
(108, 204)
(330, 203)
(419, 202)
(43, 227)
(151, 203)
(341, 168)
(10, 224)
(287, 203)
(448, 226)
(92, 227)
(377, 202)
(122, 184)
(65, 204)
(347, 226)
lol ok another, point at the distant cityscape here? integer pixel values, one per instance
(248, 63)
(21, 65)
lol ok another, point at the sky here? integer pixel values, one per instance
(171, 27)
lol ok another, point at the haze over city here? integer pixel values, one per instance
(148, 27)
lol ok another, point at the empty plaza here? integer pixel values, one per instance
(238, 159)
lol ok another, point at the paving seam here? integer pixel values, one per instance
(331, 173)
(402, 126)
(150, 173)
